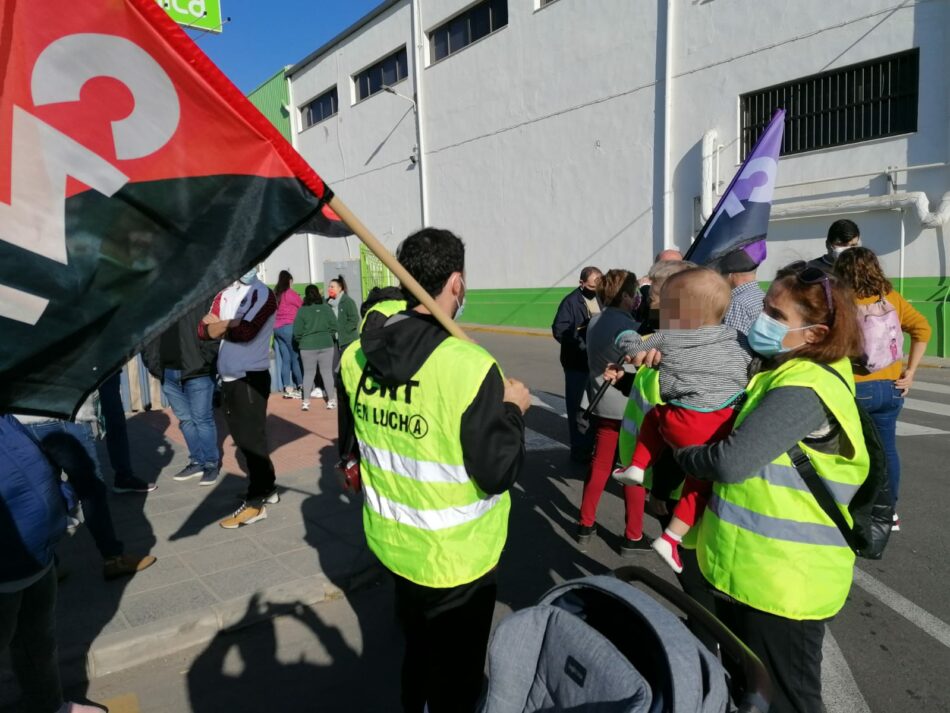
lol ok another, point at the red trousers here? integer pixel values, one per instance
(675, 426)
(601, 466)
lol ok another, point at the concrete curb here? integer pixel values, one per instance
(116, 652)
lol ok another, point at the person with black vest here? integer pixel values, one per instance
(570, 331)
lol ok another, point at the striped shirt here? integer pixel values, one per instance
(746, 306)
(702, 369)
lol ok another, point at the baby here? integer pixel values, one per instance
(703, 372)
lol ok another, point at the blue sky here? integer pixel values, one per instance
(265, 35)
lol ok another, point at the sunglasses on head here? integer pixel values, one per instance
(813, 276)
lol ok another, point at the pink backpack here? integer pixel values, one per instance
(882, 335)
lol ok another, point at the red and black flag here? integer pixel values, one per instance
(135, 181)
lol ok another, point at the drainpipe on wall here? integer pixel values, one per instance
(667, 129)
(418, 63)
(311, 239)
(710, 150)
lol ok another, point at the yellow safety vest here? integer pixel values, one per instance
(765, 541)
(424, 517)
(387, 308)
(644, 395)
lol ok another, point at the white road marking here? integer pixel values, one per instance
(921, 618)
(932, 388)
(912, 429)
(839, 690)
(535, 441)
(927, 407)
(550, 402)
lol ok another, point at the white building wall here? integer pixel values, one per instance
(543, 148)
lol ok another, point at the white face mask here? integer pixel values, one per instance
(461, 305)
(837, 250)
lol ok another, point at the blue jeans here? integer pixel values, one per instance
(191, 402)
(883, 401)
(71, 447)
(117, 434)
(289, 357)
(575, 383)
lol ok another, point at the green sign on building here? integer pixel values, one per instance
(199, 14)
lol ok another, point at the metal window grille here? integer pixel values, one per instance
(464, 29)
(857, 103)
(321, 108)
(384, 73)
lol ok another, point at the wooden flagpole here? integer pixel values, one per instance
(390, 261)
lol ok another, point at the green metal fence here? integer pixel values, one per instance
(373, 273)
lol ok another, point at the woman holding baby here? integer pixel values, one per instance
(779, 564)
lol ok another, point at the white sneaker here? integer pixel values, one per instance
(669, 553)
(331, 404)
(316, 394)
(305, 406)
(628, 476)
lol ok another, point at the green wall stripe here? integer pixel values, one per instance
(535, 307)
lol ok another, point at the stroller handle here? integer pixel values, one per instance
(757, 691)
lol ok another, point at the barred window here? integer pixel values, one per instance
(857, 103)
(384, 73)
(464, 29)
(319, 109)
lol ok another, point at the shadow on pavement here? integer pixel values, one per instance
(241, 670)
(87, 604)
(541, 551)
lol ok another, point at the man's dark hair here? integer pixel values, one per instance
(377, 295)
(431, 255)
(842, 232)
(588, 271)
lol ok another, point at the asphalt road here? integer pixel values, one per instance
(888, 650)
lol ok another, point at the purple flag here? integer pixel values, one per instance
(741, 219)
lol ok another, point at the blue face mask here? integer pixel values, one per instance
(767, 334)
(248, 277)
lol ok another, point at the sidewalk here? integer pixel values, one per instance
(310, 547)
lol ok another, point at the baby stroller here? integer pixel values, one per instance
(600, 644)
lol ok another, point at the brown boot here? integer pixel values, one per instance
(125, 565)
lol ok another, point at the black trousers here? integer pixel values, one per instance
(790, 650)
(245, 410)
(446, 634)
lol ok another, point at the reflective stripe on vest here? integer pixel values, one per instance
(765, 541)
(428, 519)
(775, 528)
(423, 471)
(787, 476)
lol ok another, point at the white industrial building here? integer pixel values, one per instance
(552, 134)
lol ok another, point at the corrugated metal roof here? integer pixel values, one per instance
(352, 29)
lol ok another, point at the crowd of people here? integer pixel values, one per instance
(710, 389)
(714, 386)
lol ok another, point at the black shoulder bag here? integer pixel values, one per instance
(872, 507)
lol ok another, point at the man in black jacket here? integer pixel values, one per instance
(570, 330)
(411, 399)
(185, 366)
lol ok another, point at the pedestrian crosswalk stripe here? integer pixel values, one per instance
(927, 407)
(932, 388)
(912, 429)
